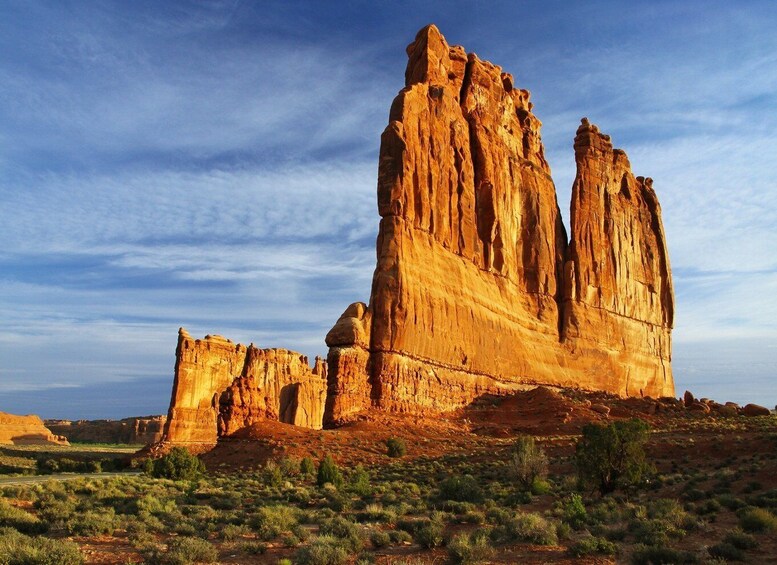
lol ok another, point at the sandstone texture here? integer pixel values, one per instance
(477, 289)
(142, 430)
(26, 430)
(221, 387)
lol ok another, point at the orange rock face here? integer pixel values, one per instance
(221, 386)
(26, 430)
(476, 289)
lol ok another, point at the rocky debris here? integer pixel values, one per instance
(221, 386)
(476, 290)
(601, 409)
(27, 430)
(755, 410)
(688, 398)
(142, 430)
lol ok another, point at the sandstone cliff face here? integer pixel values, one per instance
(26, 430)
(475, 290)
(142, 430)
(221, 386)
(618, 286)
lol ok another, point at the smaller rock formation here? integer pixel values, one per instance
(26, 430)
(221, 387)
(755, 410)
(142, 430)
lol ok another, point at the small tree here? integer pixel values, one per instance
(529, 461)
(179, 465)
(328, 472)
(613, 456)
(395, 447)
(307, 467)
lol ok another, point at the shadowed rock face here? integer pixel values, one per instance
(26, 430)
(221, 387)
(476, 289)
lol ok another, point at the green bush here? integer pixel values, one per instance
(307, 467)
(591, 545)
(92, 522)
(272, 521)
(347, 532)
(726, 551)
(525, 527)
(461, 489)
(395, 447)
(529, 461)
(613, 456)
(574, 512)
(471, 548)
(429, 533)
(324, 550)
(184, 551)
(179, 465)
(359, 481)
(19, 549)
(328, 472)
(757, 520)
(380, 538)
(20, 520)
(740, 539)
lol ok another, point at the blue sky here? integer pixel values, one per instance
(213, 165)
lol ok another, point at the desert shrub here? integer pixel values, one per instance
(529, 461)
(662, 556)
(461, 489)
(184, 551)
(740, 539)
(328, 472)
(574, 512)
(429, 533)
(725, 550)
(359, 481)
(20, 520)
(253, 547)
(307, 467)
(324, 550)
(347, 532)
(591, 545)
(271, 474)
(757, 520)
(179, 465)
(92, 523)
(379, 538)
(400, 536)
(471, 548)
(231, 532)
(526, 527)
(540, 486)
(271, 521)
(613, 456)
(395, 447)
(19, 549)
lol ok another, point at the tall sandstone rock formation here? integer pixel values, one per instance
(221, 387)
(476, 289)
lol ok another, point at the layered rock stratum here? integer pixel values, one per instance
(220, 387)
(139, 430)
(478, 289)
(26, 430)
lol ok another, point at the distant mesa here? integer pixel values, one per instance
(478, 288)
(26, 430)
(139, 431)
